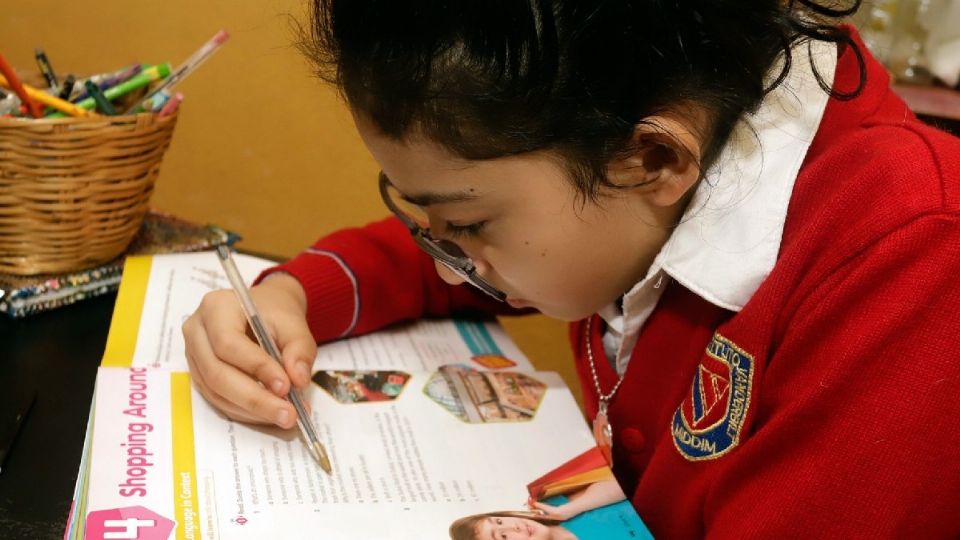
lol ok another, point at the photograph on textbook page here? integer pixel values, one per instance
(578, 500)
(486, 396)
(361, 386)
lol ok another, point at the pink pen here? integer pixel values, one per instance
(187, 67)
(171, 105)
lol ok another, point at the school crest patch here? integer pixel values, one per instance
(708, 422)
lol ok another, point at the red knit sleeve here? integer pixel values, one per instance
(363, 279)
(858, 426)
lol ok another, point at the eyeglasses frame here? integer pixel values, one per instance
(462, 266)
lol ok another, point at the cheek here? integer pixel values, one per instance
(549, 266)
(561, 281)
(541, 533)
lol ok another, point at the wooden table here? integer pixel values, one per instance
(936, 105)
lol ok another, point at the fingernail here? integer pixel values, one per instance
(304, 370)
(283, 417)
(277, 386)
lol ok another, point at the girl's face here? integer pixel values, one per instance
(512, 528)
(524, 226)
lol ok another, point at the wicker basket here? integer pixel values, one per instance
(73, 191)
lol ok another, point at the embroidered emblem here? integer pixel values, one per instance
(708, 422)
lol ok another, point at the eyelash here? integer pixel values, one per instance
(464, 231)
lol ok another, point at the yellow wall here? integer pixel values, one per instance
(262, 148)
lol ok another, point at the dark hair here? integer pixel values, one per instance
(493, 78)
(465, 528)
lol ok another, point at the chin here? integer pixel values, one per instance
(564, 314)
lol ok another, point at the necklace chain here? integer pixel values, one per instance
(604, 399)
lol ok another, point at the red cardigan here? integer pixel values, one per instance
(828, 407)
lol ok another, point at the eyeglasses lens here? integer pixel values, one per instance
(417, 215)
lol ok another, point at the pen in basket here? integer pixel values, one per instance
(79, 98)
(39, 96)
(190, 64)
(11, 81)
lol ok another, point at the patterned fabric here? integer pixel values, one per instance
(160, 233)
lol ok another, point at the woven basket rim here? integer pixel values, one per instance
(26, 120)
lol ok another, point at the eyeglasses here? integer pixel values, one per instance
(444, 251)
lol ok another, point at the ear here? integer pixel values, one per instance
(664, 163)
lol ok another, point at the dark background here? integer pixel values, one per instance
(56, 355)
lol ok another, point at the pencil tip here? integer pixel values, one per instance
(321, 456)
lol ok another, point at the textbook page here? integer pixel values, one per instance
(411, 454)
(163, 290)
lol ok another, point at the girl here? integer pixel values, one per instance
(596, 511)
(755, 241)
(509, 526)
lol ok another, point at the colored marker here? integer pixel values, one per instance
(103, 104)
(67, 87)
(187, 67)
(39, 96)
(109, 80)
(46, 69)
(145, 77)
(171, 105)
(155, 103)
(11, 81)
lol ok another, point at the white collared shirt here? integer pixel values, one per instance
(729, 236)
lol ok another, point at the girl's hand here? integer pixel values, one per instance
(232, 371)
(562, 512)
(595, 495)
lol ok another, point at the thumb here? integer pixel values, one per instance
(549, 510)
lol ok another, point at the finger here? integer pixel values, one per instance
(247, 397)
(546, 509)
(298, 348)
(225, 329)
(196, 375)
(228, 409)
(222, 382)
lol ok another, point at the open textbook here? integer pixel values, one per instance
(158, 293)
(437, 429)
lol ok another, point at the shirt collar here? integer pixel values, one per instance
(729, 237)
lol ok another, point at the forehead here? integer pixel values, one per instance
(485, 528)
(411, 158)
(416, 165)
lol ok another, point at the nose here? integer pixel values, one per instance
(447, 274)
(509, 531)
(454, 278)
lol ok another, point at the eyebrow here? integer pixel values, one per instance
(430, 197)
(493, 533)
